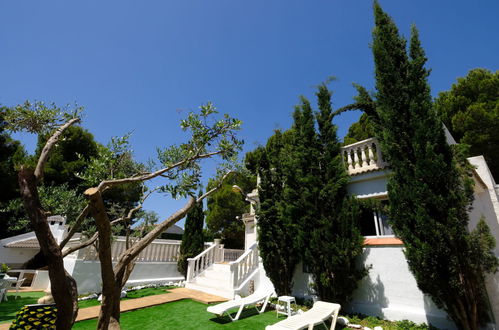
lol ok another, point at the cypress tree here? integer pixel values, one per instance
(430, 190)
(302, 182)
(335, 241)
(193, 238)
(276, 231)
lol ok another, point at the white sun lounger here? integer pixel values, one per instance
(260, 295)
(320, 312)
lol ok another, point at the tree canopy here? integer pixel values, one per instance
(470, 110)
(225, 207)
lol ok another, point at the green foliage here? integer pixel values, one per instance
(193, 239)
(56, 200)
(335, 242)
(225, 205)
(470, 110)
(210, 137)
(276, 231)
(39, 118)
(4, 268)
(305, 211)
(70, 156)
(358, 131)
(430, 190)
(11, 154)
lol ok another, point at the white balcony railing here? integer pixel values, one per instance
(363, 156)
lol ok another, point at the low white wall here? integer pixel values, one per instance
(388, 291)
(88, 276)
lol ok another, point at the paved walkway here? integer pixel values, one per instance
(138, 303)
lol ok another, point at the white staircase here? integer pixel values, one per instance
(212, 271)
(214, 280)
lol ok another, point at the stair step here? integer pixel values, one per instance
(220, 268)
(212, 282)
(216, 275)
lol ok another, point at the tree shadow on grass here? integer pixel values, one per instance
(247, 312)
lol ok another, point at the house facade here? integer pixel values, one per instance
(389, 290)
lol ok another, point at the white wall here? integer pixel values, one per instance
(389, 291)
(486, 205)
(16, 256)
(88, 276)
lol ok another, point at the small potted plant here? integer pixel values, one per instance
(3, 270)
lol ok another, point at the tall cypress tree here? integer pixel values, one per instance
(301, 175)
(276, 230)
(336, 241)
(193, 239)
(429, 191)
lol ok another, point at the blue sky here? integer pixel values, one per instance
(141, 66)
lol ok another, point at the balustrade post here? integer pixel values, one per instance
(363, 156)
(371, 154)
(190, 266)
(356, 162)
(349, 160)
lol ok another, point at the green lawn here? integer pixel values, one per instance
(130, 295)
(186, 314)
(9, 308)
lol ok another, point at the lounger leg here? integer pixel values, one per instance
(238, 314)
(264, 305)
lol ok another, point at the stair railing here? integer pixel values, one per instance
(244, 266)
(204, 260)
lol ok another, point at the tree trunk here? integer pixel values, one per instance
(63, 286)
(109, 316)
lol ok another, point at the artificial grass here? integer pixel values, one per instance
(9, 308)
(186, 314)
(130, 295)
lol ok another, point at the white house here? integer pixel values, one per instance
(390, 290)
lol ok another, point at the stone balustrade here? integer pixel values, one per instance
(363, 156)
(158, 251)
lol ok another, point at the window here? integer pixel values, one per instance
(375, 223)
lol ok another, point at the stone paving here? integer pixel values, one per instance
(137, 303)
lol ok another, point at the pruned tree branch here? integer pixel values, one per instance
(82, 245)
(44, 155)
(83, 214)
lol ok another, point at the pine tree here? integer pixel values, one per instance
(430, 190)
(335, 242)
(193, 238)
